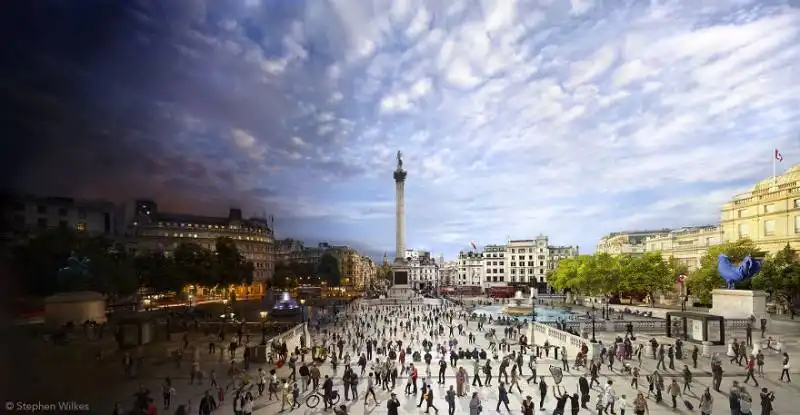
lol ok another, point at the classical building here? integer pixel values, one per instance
(626, 242)
(518, 262)
(687, 245)
(423, 271)
(150, 230)
(769, 214)
(470, 268)
(27, 214)
(448, 273)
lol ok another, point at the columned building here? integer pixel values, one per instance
(687, 245)
(150, 230)
(769, 214)
(627, 242)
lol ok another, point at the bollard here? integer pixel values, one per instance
(706, 349)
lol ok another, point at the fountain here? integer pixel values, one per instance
(519, 309)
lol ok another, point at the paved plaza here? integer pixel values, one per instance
(106, 384)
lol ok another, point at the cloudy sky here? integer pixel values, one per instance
(567, 118)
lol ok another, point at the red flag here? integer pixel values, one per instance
(778, 155)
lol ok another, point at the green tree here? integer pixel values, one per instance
(780, 276)
(646, 274)
(329, 270)
(706, 278)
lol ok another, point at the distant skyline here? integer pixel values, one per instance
(570, 119)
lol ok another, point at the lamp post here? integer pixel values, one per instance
(263, 315)
(594, 314)
(303, 309)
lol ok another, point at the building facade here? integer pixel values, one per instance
(423, 271)
(469, 268)
(627, 242)
(769, 214)
(687, 245)
(24, 215)
(150, 230)
(448, 273)
(495, 266)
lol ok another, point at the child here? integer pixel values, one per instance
(599, 406)
(220, 395)
(623, 403)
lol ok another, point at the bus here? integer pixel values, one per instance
(502, 291)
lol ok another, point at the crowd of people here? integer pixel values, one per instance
(365, 350)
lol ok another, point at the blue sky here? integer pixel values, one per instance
(567, 118)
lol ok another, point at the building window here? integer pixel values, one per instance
(62, 212)
(81, 226)
(797, 203)
(769, 208)
(741, 213)
(42, 223)
(709, 241)
(82, 213)
(797, 224)
(41, 209)
(743, 231)
(769, 227)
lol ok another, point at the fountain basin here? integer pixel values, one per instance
(518, 310)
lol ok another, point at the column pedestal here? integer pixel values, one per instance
(739, 304)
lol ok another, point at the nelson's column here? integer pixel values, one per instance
(400, 286)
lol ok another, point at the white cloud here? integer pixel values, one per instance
(561, 117)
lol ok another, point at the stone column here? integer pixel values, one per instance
(400, 215)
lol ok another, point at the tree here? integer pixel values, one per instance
(230, 266)
(646, 275)
(328, 269)
(780, 276)
(706, 278)
(157, 271)
(37, 261)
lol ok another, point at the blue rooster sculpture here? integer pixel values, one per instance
(747, 269)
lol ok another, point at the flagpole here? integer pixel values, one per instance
(774, 167)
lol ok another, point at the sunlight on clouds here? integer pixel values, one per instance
(537, 108)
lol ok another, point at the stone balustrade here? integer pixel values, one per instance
(542, 333)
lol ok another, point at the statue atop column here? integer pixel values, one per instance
(399, 160)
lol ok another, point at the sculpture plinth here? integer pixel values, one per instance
(739, 304)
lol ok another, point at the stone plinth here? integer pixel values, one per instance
(739, 304)
(75, 307)
(400, 282)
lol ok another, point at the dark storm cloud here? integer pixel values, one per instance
(125, 99)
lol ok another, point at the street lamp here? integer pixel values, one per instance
(303, 309)
(594, 313)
